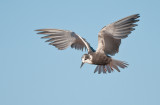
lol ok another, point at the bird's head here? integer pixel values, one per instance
(86, 58)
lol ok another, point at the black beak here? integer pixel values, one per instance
(81, 65)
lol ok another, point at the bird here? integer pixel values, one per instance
(109, 40)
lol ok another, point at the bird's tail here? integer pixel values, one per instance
(116, 63)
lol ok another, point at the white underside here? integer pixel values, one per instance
(88, 60)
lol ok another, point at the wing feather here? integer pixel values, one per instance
(109, 38)
(61, 39)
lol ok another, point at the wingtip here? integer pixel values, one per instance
(39, 30)
(137, 15)
(36, 30)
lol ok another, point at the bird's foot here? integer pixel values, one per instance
(111, 66)
(105, 70)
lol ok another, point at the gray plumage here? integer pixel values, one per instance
(109, 40)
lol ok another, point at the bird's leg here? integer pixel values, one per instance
(111, 66)
(105, 69)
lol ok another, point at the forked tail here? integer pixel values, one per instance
(114, 64)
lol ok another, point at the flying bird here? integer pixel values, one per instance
(109, 40)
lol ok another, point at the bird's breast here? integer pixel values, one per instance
(100, 59)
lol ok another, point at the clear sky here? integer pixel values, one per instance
(35, 73)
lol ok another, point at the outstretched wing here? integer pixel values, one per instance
(109, 38)
(61, 39)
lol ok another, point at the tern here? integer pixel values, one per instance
(109, 40)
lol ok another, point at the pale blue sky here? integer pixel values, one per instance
(34, 73)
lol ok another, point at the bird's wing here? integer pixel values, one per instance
(109, 38)
(61, 39)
